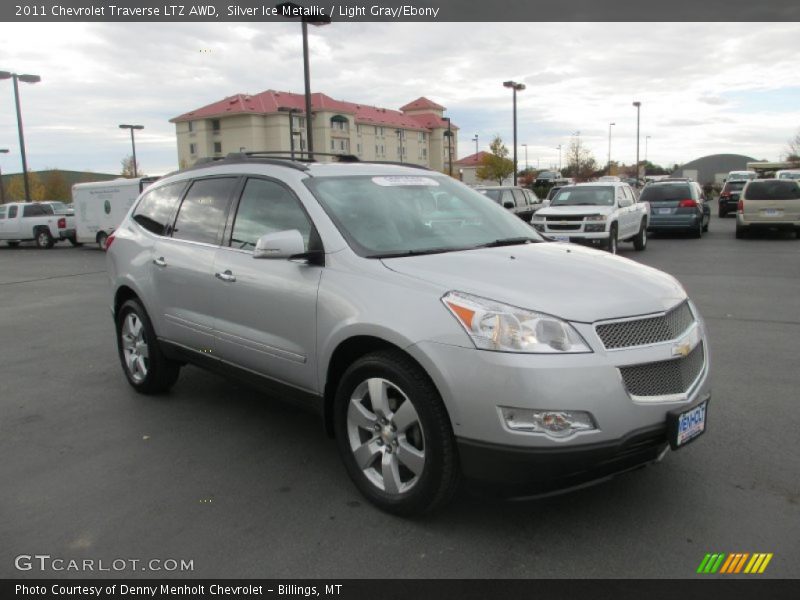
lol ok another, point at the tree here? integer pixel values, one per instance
(581, 165)
(15, 190)
(496, 165)
(793, 153)
(56, 186)
(128, 170)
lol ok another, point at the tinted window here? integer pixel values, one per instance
(734, 186)
(36, 210)
(493, 194)
(202, 214)
(776, 189)
(267, 207)
(12, 212)
(663, 193)
(155, 209)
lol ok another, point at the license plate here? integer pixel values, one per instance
(687, 425)
(772, 212)
(560, 238)
(664, 211)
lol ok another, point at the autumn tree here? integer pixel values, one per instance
(56, 186)
(495, 166)
(581, 165)
(128, 167)
(15, 190)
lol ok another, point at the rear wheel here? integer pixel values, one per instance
(44, 239)
(74, 241)
(741, 232)
(697, 232)
(394, 435)
(640, 241)
(145, 366)
(101, 240)
(705, 227)
(722, 213)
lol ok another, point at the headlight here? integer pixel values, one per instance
(496, 326)
(596, 218)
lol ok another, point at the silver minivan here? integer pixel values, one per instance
(438, 336)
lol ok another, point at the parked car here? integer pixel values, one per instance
(787, 174)
(64, 210)
(547, 178)
(769, 204)
(729, 197)
(677, 205)
(470, 350)
(741, 176)
(25, 221)
(521, 201)
(601, 214)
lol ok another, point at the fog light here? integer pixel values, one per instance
(554, 423)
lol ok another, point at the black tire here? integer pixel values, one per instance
(640, 240)
(160, 373)
(705, 227)
(101, 240)
(613, 241)
(741, 232)
(12, 244)
(74, 241)
(697, 232)
(438, 479)
(43, 238)
(722, 213)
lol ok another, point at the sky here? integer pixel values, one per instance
(705, 88)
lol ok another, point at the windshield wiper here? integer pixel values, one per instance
(413, 252)
(512, 241)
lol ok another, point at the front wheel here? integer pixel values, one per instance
(640, 241)
(394, 435)
(722, 213)
(101, 240)
(611, 244)
(44, 239)
(145, 366)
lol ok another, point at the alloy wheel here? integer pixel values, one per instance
(134, 347)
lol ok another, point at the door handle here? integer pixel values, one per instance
(226, 276)
(160, 262)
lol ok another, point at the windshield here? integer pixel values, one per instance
(382, 216)
(666, 192)
(547, 175)
(739, 175)
(789, 175)
(593, 195)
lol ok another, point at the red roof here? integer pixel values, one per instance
(473, 160)
(268, 102)
(420, 103)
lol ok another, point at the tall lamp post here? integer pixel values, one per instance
(475, 139)
(638, 106)
(610, 125)
(2, 187)
(526, 155)
(291, 112)
(646, 139)
(292, 10)
(133, 146)
(449, 134)
(559, 157)
(23, 79)
(515, 87)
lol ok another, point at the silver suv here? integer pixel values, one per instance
(436, 333)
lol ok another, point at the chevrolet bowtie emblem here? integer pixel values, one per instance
(681, 349)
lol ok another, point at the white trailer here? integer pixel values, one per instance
(100, 206)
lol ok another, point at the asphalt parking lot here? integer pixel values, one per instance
(248, 487)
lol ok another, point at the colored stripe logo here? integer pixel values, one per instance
(737, 562)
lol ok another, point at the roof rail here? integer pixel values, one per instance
(297, 155)
(400, 164)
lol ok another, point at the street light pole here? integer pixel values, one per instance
(318, 20)
(609, 147)
(2, 187)
(133, 146)
(449, 134)
(559, 157)
(25, 79)
(638, 106)
(515, 87)
(291, 112)
(475, 139)
(526, 155)
(646, 139)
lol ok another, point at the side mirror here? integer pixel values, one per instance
(508, 204)
(281, 244)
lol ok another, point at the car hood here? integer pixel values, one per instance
(557, 211)
(569, 281)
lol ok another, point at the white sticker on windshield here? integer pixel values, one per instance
(564, 196)
(399, 180)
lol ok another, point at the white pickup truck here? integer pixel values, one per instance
(599, 213)
(24, 221)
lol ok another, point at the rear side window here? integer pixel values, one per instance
(662, 193)
(519, 198)
(201, 217)
(776, 189)
(267, 207)
(155, 209)
(36, 210)
(12, 212)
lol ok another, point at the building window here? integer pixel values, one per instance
(191, 126)
(333, 144)
(422, 136)
(217, 147)
(424, 153)
(358, 129)
(344, 145)
(215, 125)
(358, 148)
(340, 123)
(379, 131)
(192, 149)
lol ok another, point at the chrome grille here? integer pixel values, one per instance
(650, 330)
(666, 377)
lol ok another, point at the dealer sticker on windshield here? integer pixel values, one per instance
(397, 181)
